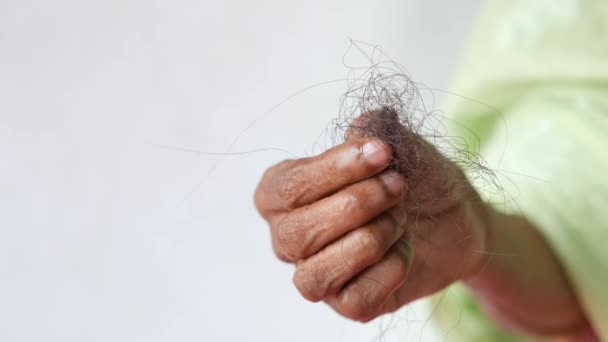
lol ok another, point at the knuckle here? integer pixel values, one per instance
(370, 244)
(290, 239)
(287, 187)
(262, 199)
(353, 305)
(352, 201)
(278, 252)
(308, 284)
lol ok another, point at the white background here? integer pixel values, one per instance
(104, 235)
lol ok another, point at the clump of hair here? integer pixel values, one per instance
(383, 101)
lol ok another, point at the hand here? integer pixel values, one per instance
(363, 238)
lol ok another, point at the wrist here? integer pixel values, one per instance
(519, 281)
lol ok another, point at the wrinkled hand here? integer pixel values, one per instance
(358, 240)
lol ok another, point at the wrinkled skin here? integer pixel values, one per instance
(365, 239)
(373, 224)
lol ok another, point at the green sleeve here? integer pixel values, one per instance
(538, 74)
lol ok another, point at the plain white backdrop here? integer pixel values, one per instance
(105, 235)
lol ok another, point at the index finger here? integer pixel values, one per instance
(295, 183)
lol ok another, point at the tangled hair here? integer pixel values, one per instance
(383, 101)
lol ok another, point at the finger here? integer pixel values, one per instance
(304, 231)
(294, 183)
(326, 272)
(365, 296)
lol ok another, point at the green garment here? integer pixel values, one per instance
(538, 74)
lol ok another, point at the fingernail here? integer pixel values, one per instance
(393, 182)
(374, 153)
(399, 213)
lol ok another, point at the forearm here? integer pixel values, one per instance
(521, 282)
